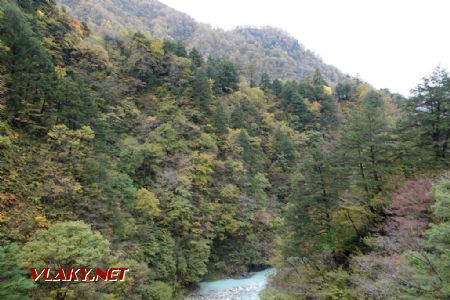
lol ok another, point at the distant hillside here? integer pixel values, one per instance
(269, 49)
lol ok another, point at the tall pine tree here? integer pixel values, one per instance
(30, 70)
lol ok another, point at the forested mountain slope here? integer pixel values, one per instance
(148, 155)
(136, 152)
(255, 50)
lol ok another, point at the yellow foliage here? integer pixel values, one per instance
(247, 95)
(2, 218)
(327, 90)
(230, 224)
(41, 221)
(4, 48)
(129, 227)
(230, 193)
(314, 107)
(277, 257)
(147, 203)
(362, 90)
(201, 169)
(196, 228)
(58, 190)
(61, 72)
(6, 130)
(40, 13)
(77, 187)
(157, 47)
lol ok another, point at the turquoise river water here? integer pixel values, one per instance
(233, 289)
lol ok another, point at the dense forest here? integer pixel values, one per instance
(253, 50)
(139, 152)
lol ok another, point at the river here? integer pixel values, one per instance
(233, 289)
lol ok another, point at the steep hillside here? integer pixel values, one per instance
(147, 155)
(139, 153)
(256, 50)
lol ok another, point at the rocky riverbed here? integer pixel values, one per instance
(233, 289)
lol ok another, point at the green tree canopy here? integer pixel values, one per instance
(14, 278)
(67, 244)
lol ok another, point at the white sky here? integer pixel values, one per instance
(390, 43)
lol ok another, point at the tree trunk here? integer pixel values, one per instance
(363, 175)
(375, 173)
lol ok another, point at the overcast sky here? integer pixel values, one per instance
(389, 43)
